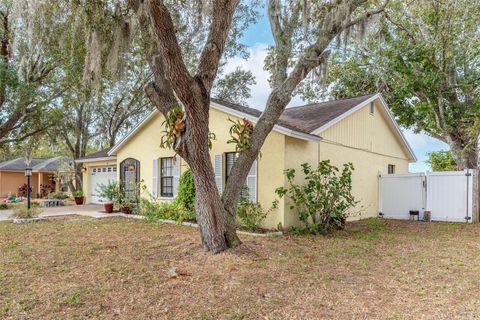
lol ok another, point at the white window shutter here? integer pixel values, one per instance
(252, 182)
(218, 168)
(176, 175)
(155, 178)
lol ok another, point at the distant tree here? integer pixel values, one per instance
(441, 161)
(122, 103)
(26, 80)
(235, 86)
(424, 58)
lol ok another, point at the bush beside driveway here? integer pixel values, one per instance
(129, 269)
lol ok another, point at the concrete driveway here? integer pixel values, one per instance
(91, 210)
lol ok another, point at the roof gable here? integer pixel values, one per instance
(391, 122)
(313, 116)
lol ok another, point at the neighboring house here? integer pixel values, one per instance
(360, 130)
(45, 176)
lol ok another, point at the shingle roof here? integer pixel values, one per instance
(306, 118)
(99, 154)
(312, 116)
(37, 164)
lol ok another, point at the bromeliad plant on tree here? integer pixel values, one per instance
(324, 199)
(174, 126)
(240, 133)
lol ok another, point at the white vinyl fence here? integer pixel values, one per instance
(449, 195)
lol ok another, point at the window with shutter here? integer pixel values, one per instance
(166, 177)
(218, 169)
(155, 178)
(176, 174)
(250, 188)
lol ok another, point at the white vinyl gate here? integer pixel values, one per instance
(447, 195)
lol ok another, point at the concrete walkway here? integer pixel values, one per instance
(91, 210)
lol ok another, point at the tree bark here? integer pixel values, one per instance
(464, 153)
(172, 81)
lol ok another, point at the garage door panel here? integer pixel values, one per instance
(100, 176)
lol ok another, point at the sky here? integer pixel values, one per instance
(258, 37)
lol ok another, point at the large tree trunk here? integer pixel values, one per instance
(217, 226)
(464, 153)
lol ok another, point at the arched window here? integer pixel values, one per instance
(130, 176)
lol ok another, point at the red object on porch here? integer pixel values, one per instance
(108, 207)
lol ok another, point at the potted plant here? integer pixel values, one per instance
(110, 192)
(78, 195)
(125, 201)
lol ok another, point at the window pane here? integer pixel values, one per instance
(166, 181)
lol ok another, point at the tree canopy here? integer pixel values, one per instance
(424, 57)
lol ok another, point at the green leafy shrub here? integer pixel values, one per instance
(3, 206)
(22, 212)
(186, 191)
(58, 195)
(109, 191)
(168, 210)
(250, 215)
(77, 193)
(325, 197)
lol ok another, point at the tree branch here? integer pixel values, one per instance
(172, 63)
(160, 91)
(223, 11)
(313, 56)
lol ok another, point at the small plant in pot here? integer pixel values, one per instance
(124, 201)
(110, 192)
(78, 195)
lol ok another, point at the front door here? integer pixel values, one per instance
(130, 176)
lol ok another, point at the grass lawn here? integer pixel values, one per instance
(128, 269)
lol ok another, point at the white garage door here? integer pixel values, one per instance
(100, 176)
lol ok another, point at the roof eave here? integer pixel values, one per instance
(216, 106)
(86, 160)
(278, 128)
(112, 152)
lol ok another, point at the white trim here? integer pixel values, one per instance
(344, 115)
(363, 104)
(277, 128)
(131, 133)
(397, 127)
(216, 106)
(96, 159)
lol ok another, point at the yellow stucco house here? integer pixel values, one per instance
(360, 130)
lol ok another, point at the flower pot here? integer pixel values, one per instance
(108, 207)
(126, 210)
(79, 200)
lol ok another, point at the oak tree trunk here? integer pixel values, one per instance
(217, 226)
(465, 157)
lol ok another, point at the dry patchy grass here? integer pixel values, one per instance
(122, 269)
